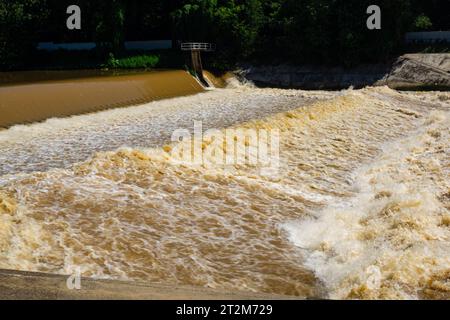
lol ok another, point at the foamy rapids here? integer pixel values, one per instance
(359, 207)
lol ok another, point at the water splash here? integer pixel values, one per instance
(397, 223)
(344, 194)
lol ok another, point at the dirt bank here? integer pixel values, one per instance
(420, 71)
(414, 71)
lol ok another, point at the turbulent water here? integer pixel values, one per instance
(359, 206)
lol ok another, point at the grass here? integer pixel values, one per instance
(144, 61)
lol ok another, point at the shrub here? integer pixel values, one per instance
(422, 23)
(134, 62)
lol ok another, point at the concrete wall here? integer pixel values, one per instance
(129, 45)
(39, 286)
(428, 37)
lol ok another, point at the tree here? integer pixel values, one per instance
(422, 23)
(233, 25)
(110, 21)
(270, 31)
(19, 24)
(194, 21)
(335, 32)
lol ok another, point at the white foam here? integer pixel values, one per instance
(392, 225)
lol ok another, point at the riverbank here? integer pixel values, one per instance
(410, 72)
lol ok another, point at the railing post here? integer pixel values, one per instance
(196, 58)
(197, 65)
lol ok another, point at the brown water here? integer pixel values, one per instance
(36, 76)
(358, 209)
(36, 96)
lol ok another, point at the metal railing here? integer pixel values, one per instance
(200, 46)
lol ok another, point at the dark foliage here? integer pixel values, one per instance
(294, 31)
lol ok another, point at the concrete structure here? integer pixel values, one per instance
(129, 45)
(196, 48)
(411, 71)
(428, 37)
(37, 101)
(38, 286)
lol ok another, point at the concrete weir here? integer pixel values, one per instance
(37, 101)
(39, 286)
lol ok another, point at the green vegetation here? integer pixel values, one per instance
(266, 31)
(94, 59)
(134, 62)
(423, 23)
(19, 22)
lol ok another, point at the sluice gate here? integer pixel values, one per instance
(196, 58)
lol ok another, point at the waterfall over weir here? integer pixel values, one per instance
(31, 102)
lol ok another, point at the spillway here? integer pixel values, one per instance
(22, 102)
(358, 207)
